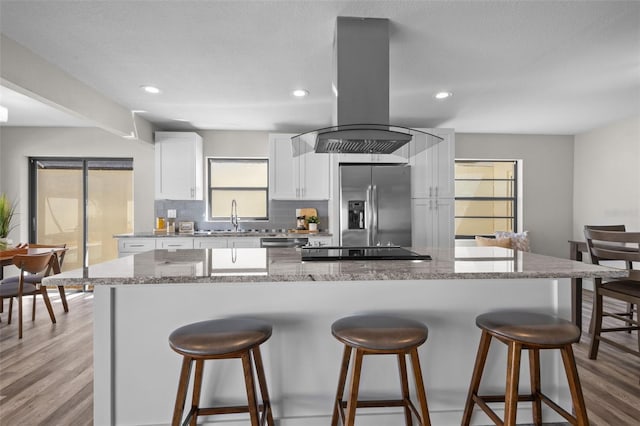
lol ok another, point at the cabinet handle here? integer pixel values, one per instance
(436, 191)
(174, 245)
(431, 191)
(136, 245)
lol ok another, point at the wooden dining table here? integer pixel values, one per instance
(6, 259)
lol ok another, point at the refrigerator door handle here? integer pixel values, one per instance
(368, 214)
(374, 208)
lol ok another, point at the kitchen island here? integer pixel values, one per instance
(140, 299)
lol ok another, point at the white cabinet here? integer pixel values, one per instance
(320, 241)
(179, 166)
(226, 242)
(432, 164)
(432, 222)
(295, 171)
(243, 242)
(174, 243)
(209, 242)
(127, 246)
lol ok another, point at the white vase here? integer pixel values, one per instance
(313, 227)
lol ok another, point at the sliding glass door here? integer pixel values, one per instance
(82, 203)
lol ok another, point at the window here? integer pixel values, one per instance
(244, 180)
(486, 197)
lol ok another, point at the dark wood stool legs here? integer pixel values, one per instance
(348, 417)
(259, 414)
(511, 397)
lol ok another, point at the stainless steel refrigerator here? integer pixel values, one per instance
(375, 205)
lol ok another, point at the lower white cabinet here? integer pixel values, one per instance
(243, 242)
(174, 243)
(210, 242)
(127, 246)
(320, 241)
(433, 222)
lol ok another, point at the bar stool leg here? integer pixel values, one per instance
(404, 382)
(262, 382)
(195, 397)
(534, 372)
(181, 395)
(353, 389)
(597, 322)
(342, 379)
(251, 388)
(513, 378)
(574, 385)
(422, 395)
(481, 359)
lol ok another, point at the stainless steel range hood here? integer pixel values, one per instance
(361, 86)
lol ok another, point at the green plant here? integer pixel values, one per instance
(313, 219)
(7, 210)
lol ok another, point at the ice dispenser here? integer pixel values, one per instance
(356, 214)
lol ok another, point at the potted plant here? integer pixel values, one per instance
(313, 222)
(7, 210)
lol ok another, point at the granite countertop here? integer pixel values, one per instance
(243, 233)
(227, 265)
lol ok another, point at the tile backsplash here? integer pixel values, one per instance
(282, 214)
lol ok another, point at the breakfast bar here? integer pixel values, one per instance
(140, 299)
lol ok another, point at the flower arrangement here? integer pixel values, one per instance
(313, 222)
(313, 219)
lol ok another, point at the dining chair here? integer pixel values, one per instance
(623, 248)
(33, 264)
(59, 251)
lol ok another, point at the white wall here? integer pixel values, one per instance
(547, 182)
(19, 143)
(218, 143)
(607, 176)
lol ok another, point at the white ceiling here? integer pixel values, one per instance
(560, 67)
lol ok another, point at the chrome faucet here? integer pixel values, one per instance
(234, 215)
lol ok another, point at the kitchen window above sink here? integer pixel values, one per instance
(245, 180)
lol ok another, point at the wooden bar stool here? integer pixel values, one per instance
(222, 339)
(531, 331)
(375, 335)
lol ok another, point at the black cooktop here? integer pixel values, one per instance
(361, 253)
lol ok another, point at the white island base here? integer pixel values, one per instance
(136, 373)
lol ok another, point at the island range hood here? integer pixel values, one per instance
(361, 85)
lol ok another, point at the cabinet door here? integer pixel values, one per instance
(179, 165)
(421, 227)
(433, 222)
(432, 162)
(127, 246)
(243, 242)
(320, 241)
(443, 225)
(444, 164)
(210, 242)
(314, 176)
(283, 172)
(174, 243)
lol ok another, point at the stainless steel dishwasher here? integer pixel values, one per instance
(284, 241)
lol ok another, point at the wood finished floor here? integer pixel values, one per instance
(47, 377)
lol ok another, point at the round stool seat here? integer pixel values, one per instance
(379, 332)
(529, 327)
(219, 337)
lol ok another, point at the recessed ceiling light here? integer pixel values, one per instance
(443, 95)
(300, 93)
(150, 89)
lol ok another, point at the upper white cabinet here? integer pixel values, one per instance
(432, 164)
(179, 166)
(295, 171)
